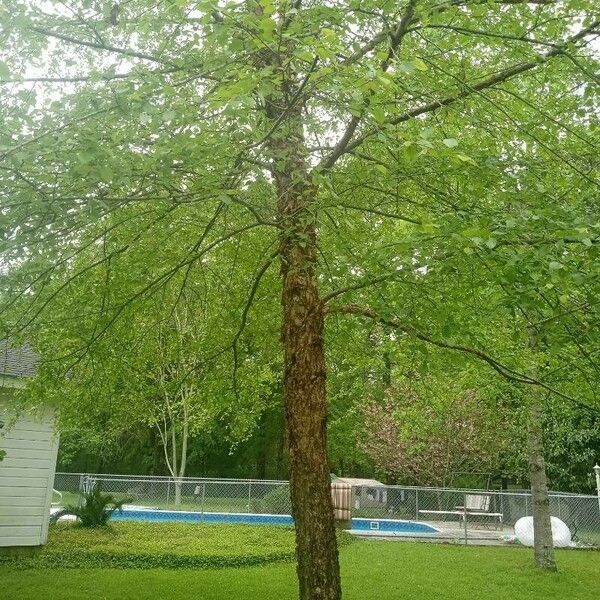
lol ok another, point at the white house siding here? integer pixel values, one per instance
(26, 477)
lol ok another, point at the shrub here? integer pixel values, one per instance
(146, 545)
(96, 510)
(275, 502)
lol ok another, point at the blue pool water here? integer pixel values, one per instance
(359, 525)
(391, 526)
(196, 517)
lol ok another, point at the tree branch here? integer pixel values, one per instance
(98, 46)
(346, 145)
(409, 330)
(396, 38)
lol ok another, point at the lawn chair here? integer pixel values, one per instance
(60, 497)
(478, 505)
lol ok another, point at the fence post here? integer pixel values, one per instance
(417, 504)
(81, 484)
(168, 490)
(249, 494)
(465, 518)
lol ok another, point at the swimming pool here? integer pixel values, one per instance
(148, 514)
(360, 526)
(391, 527)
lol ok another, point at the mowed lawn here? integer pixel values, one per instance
(371, 570)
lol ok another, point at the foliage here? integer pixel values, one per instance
(158, 545)
(572, 445)
(95, 511)
(425, 438)
(131, 545)
(431, 169)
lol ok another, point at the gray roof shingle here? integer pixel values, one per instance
(17, 361)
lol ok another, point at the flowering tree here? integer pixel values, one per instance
(415, 440)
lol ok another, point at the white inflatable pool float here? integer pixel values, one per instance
(561, 535)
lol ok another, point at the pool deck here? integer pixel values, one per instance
(449, 533)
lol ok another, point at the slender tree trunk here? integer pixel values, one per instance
(182, 464)
(302, 338)
(261, 447)
(543, 544)
(304, 373)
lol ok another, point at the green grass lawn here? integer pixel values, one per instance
(371, 570)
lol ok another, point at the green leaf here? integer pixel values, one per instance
(420, 64)
(4, 70)
(410, 151)
(169, 115)
(407, 67)
(450, 142)
(379, 114)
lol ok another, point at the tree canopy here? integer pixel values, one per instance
(427, 166)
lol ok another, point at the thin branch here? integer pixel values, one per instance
(504, 370)
(345, 145)
(245, 311)
(481, 33)
(396, 38)
(382, 213)
(358, 286)
(98, 46)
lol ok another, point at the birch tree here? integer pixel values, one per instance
(351, 142)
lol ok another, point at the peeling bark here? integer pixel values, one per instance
(304, 366)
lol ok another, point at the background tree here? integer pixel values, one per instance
(428, 439)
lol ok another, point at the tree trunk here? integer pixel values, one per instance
(182, 465)
(543, 544)
(261, 447)
(177, 499)
(304, 397)
(302, 339)
(304, 376)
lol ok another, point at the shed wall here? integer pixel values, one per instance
(26, 476)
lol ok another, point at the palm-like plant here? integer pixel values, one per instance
(96, 509)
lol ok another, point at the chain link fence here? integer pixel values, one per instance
(231, 496)
(477, 516)
(462, 516)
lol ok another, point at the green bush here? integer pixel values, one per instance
(144, 545)
(96, 510)
(275, 502)
(77, 559)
